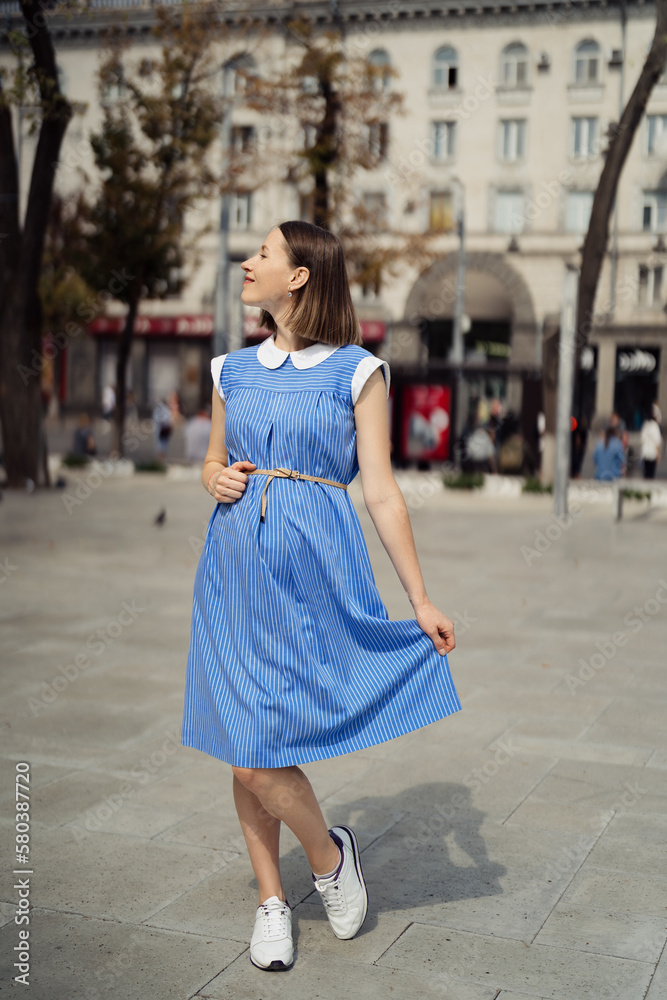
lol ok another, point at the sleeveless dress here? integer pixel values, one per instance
(292, 655)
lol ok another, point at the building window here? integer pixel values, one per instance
(309, 135)
(650, 286)
(240, 206)
(375, 211)
(441, 212)
(243, 138)
(656, 134)
(512, 140)
(578, 211)
(445, 69)
(237, 74)
(514, 66)
(379, 69)
(310, 85)
(378, 139)
(63, 82)
(114, 86)
(654, 217)
(585, 142)
(509, 212)
(443, 141)
(587, 63)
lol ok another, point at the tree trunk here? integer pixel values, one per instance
(550, 358)
(595, 243)
(327, 142)
(21, 411)
(122, 359)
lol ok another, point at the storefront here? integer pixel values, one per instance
(636, 384)
(169, 353)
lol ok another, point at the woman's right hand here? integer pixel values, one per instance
(229, 484)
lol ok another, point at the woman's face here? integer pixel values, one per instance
(269, 276)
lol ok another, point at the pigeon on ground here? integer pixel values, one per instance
(161, 518)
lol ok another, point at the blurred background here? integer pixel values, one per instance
(456, 151)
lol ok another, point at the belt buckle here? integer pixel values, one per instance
(294, 474)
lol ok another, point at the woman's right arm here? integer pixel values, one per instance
(224, 482)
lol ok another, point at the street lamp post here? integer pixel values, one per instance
(456, 356)
(459, 311)
(221, 318)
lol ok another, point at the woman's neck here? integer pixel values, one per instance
(288, 341)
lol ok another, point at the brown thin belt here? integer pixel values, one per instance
(288, 474)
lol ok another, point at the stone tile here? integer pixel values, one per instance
(549, 746)
(658, 760)
(658, 987)
(313, 934)
(618, 892)
(538, 813)
(627, 736)
(7, 910)
(624, 935)
(70, 796)
(636, 713)
(489, 780)
(323, 977)
(511, 995)
(552, 973)
(473, 875)
(601, 786)
(91, 731)
(87, 959)
(636, 844)
(136, 879)
(557, 705)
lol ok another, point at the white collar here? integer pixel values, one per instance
(273, 357)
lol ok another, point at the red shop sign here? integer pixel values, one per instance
(426, 422)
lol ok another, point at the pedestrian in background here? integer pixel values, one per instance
(163, 427)
(197, 434)
(292, 654)
(84, 440)
(108, 401)
(609, 456)
(650, 444)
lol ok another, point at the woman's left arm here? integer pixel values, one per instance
(388, 510)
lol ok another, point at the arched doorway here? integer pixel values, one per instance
(497, 296)
(501, 340)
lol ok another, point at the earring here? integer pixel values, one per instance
(289, 295)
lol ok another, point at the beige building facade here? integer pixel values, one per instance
(507, 110)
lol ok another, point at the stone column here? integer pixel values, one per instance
(604, 396)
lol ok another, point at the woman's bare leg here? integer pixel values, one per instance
(262, 836)
(285, 794)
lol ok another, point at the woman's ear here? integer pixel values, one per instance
(300, 277)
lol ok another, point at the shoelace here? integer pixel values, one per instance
(332, 895)
(274, 923)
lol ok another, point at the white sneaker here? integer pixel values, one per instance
(271, 943)
(344, 893)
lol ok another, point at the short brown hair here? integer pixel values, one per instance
(322, 308)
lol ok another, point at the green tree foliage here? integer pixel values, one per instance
(153, 154)
(334, 107)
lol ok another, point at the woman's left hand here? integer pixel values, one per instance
(437, 626)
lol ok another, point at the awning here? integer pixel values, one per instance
(372, 331)
(156, 326)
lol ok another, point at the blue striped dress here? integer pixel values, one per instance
(292, 655)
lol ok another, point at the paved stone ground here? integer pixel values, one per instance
(515, 850)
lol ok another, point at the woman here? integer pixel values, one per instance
(609, 456)
(293, 657)
(651, 444)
